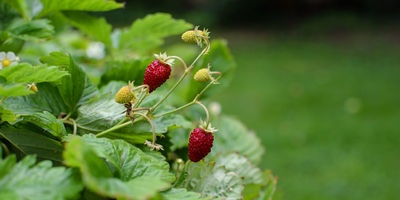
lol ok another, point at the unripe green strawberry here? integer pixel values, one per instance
(157, 72)
(203, 75)
(125, 95)
(189, 37)
(196, 36)
(200, 144)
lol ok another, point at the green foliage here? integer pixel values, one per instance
(128, 172)
(35, 29)
(27, 180)
(28, 142)
(61, 108)
(97, 28)
(87, 5)
(234, 136)
(147, 33)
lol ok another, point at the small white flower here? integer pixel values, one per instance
(96, 50)
(8, 59)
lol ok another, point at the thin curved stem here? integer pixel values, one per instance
(72, 122)
(116, 127)
(67, 116)
(6, 150)
(153, 129)
(74, 126)
(171, 90)
(187, 70)
(214, 81)
(175, 110)
(207, 113)
(180, 59)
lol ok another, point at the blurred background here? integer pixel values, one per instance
(321, 83)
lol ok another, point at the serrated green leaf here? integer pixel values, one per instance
(87, 5)
(95, 27)
(117, 169)
(74, 89)
(46, 99)
(180, 193)
(127, 160)
(233, 136)
(27, 142)
(147, 33)
(31, 30)
(14, 90)
(27, 8)
(25, 180)
(103, 112)
(213, 181)
(48, 122)
(241, 166)
(26, 73)
(125, 70)
(7, 115)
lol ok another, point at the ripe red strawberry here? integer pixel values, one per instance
(157, 72)
(200, 143)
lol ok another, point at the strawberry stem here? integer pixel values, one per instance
(207, 113)
(181, 60)
(185, 73)
(195, 100)
(116, 127)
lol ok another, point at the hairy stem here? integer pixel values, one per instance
(186, 72)
(116, 127)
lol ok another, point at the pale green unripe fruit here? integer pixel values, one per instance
(189, 37)
(203, 75)
(125, 95)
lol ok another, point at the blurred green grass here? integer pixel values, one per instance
(327, 111)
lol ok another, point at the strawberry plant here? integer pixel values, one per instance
(88, 112)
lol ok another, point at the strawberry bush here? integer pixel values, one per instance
(89, 111)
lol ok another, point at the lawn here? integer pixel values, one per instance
(327, 111)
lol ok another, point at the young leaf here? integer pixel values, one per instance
(48, 122)
(87, 5)
(147, 33)
(14, 90)
(27, 142)
(95, 27)
(31, 30)
(46, 99)
(233, 136)
(74, 87)
(26, 73)
(102, 112)
(25, 180)
(117, 169)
